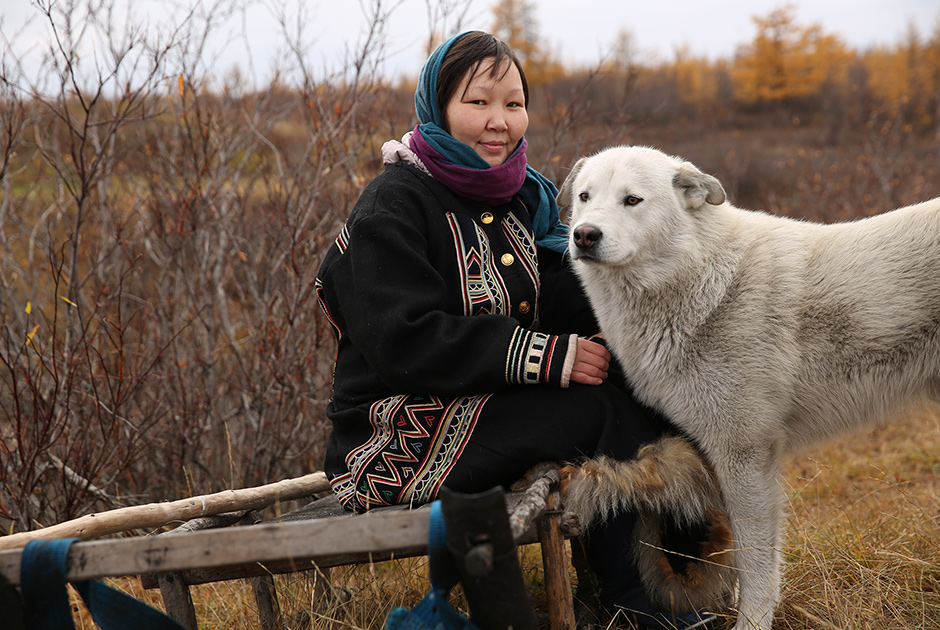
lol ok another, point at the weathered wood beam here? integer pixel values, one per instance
(299, 543)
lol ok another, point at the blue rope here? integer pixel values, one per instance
(46, 602)
(42, 582)
(441, 570)
(434, 612)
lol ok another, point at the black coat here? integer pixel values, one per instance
(433, 294)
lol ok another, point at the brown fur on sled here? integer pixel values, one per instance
(667, 477)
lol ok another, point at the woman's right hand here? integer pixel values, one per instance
(590, 363)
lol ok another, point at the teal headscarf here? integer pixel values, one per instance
(537, 191)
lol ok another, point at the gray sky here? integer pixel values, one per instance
(579, 32)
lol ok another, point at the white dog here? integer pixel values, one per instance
(755, 334)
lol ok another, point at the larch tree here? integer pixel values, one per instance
(515, 23)
(787, 61)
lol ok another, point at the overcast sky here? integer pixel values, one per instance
(579, 32)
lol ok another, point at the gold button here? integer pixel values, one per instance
(524, 307)
(487, 217)
(507, 259)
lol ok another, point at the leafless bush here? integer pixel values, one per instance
(160, 331)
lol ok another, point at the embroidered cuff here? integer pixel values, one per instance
(539, 358)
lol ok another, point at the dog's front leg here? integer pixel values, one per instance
(752, 491)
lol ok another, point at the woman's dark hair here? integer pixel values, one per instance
(466, 54)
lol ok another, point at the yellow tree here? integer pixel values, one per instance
(515, 23)
(904, 80)
(696, 79)
(888, 77)
(787, 61)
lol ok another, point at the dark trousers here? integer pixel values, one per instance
(527, 425)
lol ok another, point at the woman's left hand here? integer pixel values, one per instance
(590, 363)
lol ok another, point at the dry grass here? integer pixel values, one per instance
(862, 548)
(863, 536)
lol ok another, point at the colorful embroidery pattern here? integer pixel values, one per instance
(318, 288)
(342, 239)
(483, 289)
(530, 357)
(416, 441)
(521, 240)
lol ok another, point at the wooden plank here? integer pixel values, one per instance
(278, 567)
(329, 507)
(234, 572)
(299, 542)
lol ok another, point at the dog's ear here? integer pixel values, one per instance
(565, 196)
(696, 187)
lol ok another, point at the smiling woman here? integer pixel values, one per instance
(462, 351)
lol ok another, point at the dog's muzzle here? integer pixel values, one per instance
(585, 237)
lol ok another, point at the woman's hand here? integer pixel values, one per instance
(590, 363)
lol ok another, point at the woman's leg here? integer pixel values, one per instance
(524, 426)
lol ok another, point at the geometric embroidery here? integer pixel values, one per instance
(520, 237)
(342, 239)
(529, 354)
(483, 289)
(415, 442)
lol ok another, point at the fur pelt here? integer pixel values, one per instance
(667, 479)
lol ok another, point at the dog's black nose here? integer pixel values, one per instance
(587, 236)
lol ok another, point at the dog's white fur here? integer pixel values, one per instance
(755, 334)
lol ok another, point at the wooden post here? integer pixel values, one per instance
(555, 563)
(266, 597)
(177, 599)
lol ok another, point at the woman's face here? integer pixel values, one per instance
(487, 113)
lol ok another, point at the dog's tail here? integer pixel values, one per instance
(668, 481)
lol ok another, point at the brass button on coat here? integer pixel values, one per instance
(507, 259)
(524, 307)
(486, 217)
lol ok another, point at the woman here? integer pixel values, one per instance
(462, 359)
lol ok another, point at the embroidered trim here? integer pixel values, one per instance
(530, 356)
(568, 366)
(343, 488)
(318, 289)
(415, 443)
(484, 291)
(521, 240)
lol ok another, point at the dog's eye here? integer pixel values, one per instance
(632, 200)
(584, 196)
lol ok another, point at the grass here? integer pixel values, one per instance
(862, 549)
(863, 535)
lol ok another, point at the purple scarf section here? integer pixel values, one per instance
(495, 185)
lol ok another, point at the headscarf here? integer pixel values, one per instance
(460, 167)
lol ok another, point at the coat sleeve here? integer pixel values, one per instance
(393, 304)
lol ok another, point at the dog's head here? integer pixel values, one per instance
(630, 202)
